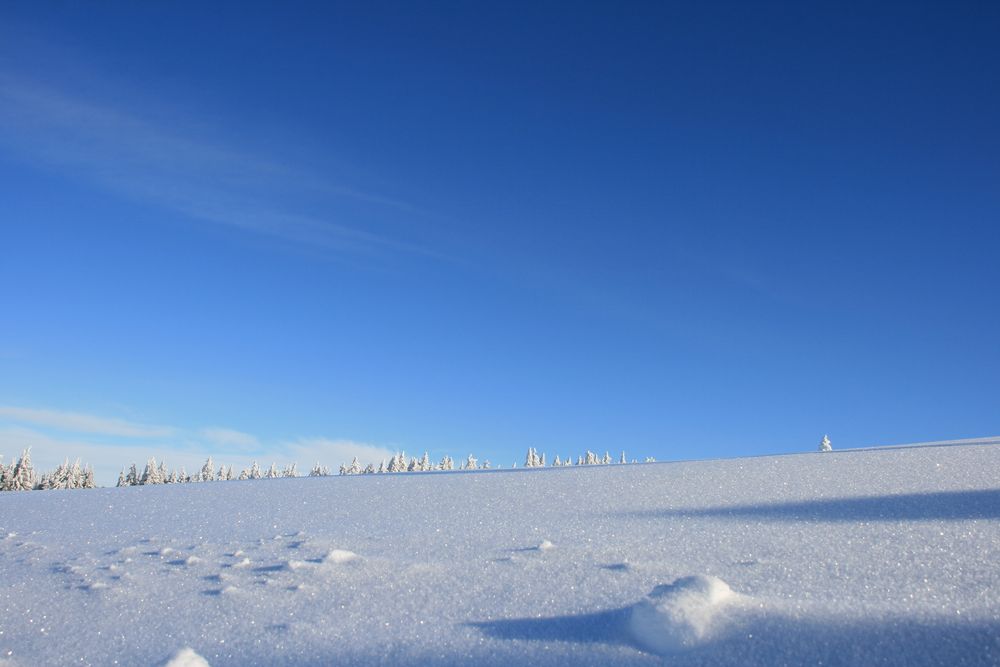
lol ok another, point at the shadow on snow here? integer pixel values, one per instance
(944, 505)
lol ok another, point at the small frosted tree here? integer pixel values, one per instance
(22, 477)
(470, 463)
(151, 475)
(623, 460)
(825, 445)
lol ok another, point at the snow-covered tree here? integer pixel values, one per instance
(319, 471)
(207, 473)
(470, 463)
(825, 445)
(22, 477)
(290, 470)
(607, 458)
(355, 468)
(556, 462)
(623, 460)
(151, 475)
(425, 462)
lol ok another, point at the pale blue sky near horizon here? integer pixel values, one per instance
(306, 231)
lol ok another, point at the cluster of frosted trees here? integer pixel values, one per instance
(399, 463)
(21, 476)
(155, 473)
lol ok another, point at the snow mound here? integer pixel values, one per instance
(679, 616)
(186, 657)
(545, 546)
(337, 556)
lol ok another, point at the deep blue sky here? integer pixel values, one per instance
(683, 230)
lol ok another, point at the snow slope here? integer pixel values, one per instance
(862, 557)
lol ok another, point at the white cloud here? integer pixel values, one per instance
(107, 460)
(307, 451)
(229, 438)
(94, 440)
(177, 166)
(77, 422)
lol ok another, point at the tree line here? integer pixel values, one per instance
(22, 476)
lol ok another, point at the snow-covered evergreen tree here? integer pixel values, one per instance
(825, 445)
(623, 460)
(470, 463)
(121, 479)
(151, 475)
(22, 476)
(607, 458)
(425, 463)
(355, 467)
(254, 470)
(207, 473)
(291, 470)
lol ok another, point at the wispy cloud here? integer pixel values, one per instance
(171, 165)
(107, 459)
(108, 444)
(311, 450)
(77, 422)
(229, 438)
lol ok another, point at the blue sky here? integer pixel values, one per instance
(304, 232)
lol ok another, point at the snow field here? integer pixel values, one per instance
(861, 557)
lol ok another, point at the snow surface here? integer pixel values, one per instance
(849, 557)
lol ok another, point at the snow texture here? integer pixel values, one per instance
(849, 557)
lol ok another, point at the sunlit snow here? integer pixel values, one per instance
(886, 556)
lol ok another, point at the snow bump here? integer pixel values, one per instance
(338, 556)
(186, 657)
(682, 615)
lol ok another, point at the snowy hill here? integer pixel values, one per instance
(885, 556)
